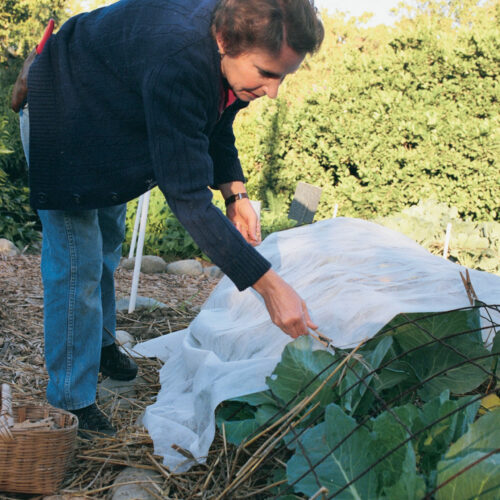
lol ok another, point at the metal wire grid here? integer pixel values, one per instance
(492, 326)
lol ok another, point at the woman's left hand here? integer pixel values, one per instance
(244, 218)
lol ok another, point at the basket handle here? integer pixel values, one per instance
(6, 418)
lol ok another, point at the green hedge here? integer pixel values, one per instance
(21, 26)
(18, 222)
(166, 237)
(382, 118)
(164, 234)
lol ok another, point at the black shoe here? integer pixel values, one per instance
(93, 420)
(116, 365)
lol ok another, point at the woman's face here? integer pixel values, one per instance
(257, 73)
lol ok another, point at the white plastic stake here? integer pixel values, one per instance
(256, 207)
(136, 226)
(335, 210)
(447, 240)
(138, 254)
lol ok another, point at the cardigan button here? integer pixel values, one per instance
(77, 199)
(114, 197)
(42, 198)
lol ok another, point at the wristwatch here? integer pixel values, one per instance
(234, 197)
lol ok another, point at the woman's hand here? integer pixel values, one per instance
(287, 310)
(241, 213)
(244, 218)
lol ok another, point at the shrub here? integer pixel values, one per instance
(383, 118)
(164, 234)
(18, 222)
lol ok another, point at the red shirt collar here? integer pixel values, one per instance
(227, 97)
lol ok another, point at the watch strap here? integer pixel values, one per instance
(234, 197)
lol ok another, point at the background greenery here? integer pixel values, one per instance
(380, 118)
(21, 26)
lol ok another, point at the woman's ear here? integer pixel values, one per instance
(220, 44)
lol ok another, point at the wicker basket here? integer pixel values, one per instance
(35, 460)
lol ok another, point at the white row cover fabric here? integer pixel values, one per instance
(354, 275)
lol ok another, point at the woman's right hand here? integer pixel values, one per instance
(286, 308)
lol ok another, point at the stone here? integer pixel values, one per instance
(150, 264)
(123, 390)
(127, 264)
(190, 267)
(7, 248)
(213, 272)
(141, 303)
(124, 338)
(141, 479)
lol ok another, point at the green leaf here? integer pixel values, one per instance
(480, 481)
(266, 414)
(277, 491)
(238, 420)
(239, 430)
(257, 398)
(341, 466)
(411, 331)
(359, 398)
(496, 349)
(299, 365)
(434, 441)
(483, 435)
(397, 473)
(394, 374)
(410, 485)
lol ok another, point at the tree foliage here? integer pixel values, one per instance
(380, 117)
(22, 23)
(384, 117)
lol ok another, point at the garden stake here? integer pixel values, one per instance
(447, 241)
(471, 294)
(322, 339)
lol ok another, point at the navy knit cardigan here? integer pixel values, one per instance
(127, 97)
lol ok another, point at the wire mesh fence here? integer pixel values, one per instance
(410, 413)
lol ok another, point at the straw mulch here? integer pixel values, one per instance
(97, 463)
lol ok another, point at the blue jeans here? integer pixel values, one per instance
(80, 252)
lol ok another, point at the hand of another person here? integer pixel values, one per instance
(243, 216)
(20, 89)
(287, 310)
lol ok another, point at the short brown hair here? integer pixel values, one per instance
(243, 25)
